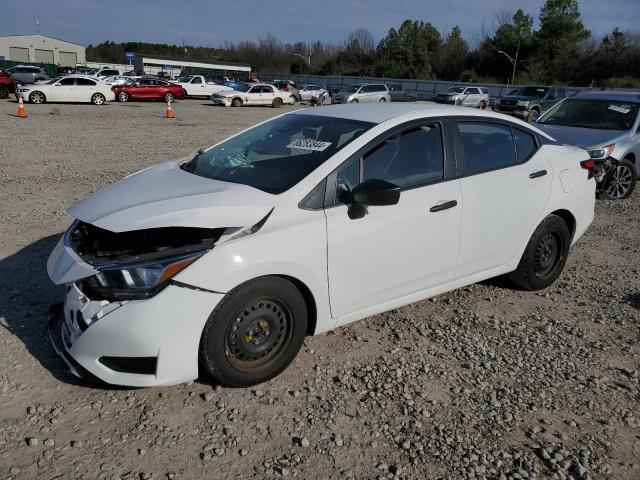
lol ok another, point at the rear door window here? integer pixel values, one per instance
(85, 82)
(486, 146)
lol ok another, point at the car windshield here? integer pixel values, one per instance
(532, 92)
(592, 113)
(456, 90)
(184, 79)
(352, 88)
(276, 155)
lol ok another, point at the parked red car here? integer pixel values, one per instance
(152, 88)
(6, 84)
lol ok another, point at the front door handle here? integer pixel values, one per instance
(539, 174)
(444, 206)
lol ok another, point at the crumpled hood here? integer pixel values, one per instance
(581, 137)
(167, 196)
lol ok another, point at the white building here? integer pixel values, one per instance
(41, 49)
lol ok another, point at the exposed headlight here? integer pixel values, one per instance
(523, 103)
(134, 282)
(603, 152)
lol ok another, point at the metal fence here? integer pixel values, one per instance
(425, 89)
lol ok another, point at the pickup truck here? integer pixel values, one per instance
(399, 94)
(199, 86)
(528, 103)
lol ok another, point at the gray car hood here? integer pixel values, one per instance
(581, 137)
(167, 196)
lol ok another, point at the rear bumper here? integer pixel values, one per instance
(161, 333)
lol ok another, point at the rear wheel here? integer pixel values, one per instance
(545, 255)
(277, 102)
(37, 97)
(98, 99)
(123, 97)
(254, 332)
(622, 180)
(169, 97)
(293, 99)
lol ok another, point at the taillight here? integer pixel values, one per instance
(590, 165)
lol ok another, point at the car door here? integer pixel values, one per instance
(196, 86)
(469, 98)
(83, 90)
(506, 183)
(268, 94)
(62, 91)
(394, 251)
(254, 95)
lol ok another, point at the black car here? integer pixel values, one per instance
(528, 103)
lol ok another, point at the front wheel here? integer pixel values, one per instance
(534, 115)
(123, 97)
(545, 255)
(98, 99)
(483, 105)
(37, 97)
(622, 180)
(254, 333)
(236, 102)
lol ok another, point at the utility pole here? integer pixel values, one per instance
(514, 61)
(307, 58)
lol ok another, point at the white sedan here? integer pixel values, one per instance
(252, 94)
(70, 88)
(303, 223)
(309, 91)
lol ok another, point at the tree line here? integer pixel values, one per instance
(561, 51)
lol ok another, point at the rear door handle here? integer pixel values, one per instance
(539, 174)
(444, 206)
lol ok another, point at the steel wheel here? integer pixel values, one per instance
(259, 333)
(547, 254)
(37, 97)
(236, 102)
(123, 97)
(98, 99)
(621, 182)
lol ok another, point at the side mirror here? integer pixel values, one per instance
(373, 192)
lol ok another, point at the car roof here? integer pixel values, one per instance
(609, 95)
(381, 112)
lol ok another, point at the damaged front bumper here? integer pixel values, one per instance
(139, 343)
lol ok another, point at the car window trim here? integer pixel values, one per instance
(449, 168)
(459, 149)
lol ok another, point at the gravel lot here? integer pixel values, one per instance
(486, 382)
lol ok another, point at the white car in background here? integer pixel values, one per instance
(303, 223)
(70, 88)
(308, 92)
(244, 94)
(118, 80)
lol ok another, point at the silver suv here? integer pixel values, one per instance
(28, 73)
(363, 93)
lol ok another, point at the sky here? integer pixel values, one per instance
(212, 22)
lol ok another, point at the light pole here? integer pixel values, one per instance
(307, 58)
(514, 61)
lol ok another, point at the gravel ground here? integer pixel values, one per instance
(486, 382)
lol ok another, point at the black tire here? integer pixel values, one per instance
(4, 91)
(355, 100)
(236, 102)
(622, 181)
(410, 99)
(277, 102)
(457, 103)
(37, 97)
(382, 100)
(98, 99)
(228, 348)
(123, 97)
(545, 255)
(534, 114)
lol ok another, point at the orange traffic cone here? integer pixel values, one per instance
(169, 110)
(21, 111)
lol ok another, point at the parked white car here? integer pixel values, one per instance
(118, 80)
(70, 88)
(363, 93)
(198, 86)
(303, 223)
(307, 92)
(476, 97)
(252, 94)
